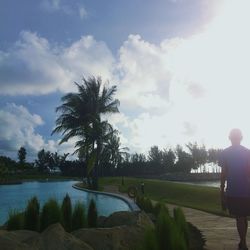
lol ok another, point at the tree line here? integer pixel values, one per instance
(169, 160)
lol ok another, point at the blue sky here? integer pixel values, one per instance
(146, 48)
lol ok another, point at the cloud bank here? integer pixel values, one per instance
(18, 128)
(180, 90)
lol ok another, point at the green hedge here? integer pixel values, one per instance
(78, 217)
(92, 214)
(32, 218)
(170, 233)
(66, 211)
(31, 215)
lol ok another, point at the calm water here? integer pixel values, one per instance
(16, 197)
(203, 183)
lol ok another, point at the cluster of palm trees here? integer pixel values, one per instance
(81, 116)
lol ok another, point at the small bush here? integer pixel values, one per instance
(15, 220)
(140, 201)
(158, 207)
(92, 214)
(181, 224)
(148, 206)
(168, 234)
(145, 204)
(164, 231)
(78, 216)
(31, 215)
(50, 214)
(66, 211)
(150, 240)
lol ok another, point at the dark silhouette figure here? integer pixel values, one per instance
(235, 172)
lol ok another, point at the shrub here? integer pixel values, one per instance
(150, 240)
(164, 231)
(78, 216)
(31, 215)
(50, 214)
(168, 235)
(139, 201)
(159, 206)
(66, 211)
(92, 214)
(15, 220)
(148, 206)
(181, 224)
(145, 204)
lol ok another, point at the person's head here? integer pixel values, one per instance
(235, 136)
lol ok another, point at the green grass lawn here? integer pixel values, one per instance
(193, 196)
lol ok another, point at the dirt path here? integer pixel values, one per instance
(220, 232)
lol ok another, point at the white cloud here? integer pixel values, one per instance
(181, 90)
(82, 12)
(144, 74)
(18, 128)
(52, 6)
(34, 66)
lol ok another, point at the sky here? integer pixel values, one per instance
(181, 68)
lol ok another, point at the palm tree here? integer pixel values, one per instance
(112, 153)
(81, 116)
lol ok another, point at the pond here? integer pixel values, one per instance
(16, 197)
(202, 183)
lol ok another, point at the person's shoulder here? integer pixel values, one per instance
(225, 150)
(243, 148)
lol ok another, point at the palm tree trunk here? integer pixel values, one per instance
(95, 170)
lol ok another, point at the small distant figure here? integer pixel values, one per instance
(235, 172)
(142, 188)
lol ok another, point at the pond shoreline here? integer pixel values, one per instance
(132, 205)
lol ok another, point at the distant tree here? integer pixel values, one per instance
(184, 160)
(56, 160)
(155, 155)
(168, 160)
(8, 162)
(135, 158)
(3, 170)
(213, 155)
(112, 153)
(155, 159)
(199, 154)
(44, 160)
(22, 155)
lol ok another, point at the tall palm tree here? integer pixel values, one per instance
(81, 117)
(113, 149)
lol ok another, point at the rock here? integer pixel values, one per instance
(8, 243)
(55, 238)
(101, 220)
(118, 237)
(22, 235)
(121, 218)
(127, 218)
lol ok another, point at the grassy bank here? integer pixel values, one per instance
(193, 196)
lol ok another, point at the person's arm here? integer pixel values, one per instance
(223, 178)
